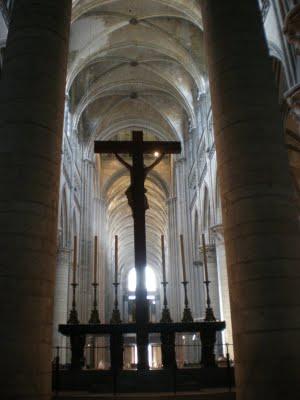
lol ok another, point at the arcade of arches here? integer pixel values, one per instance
(220, 77)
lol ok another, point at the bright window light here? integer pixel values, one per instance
(151, 284)
(132, 280)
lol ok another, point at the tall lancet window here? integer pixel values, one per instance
(152, 294)
(151, 284)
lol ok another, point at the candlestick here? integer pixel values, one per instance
(182, 258)
(94, 318)
(116, 257)
(116, 317)
(73, 317)
(74, 259)
(187, 313)
(166, 317)
(95, 258)
(209, 314)
(204, 258)
(163, 257)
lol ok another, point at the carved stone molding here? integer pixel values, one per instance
(63, 255)
(292, 27)
(218, 231)
(293, 100)
(210, 252)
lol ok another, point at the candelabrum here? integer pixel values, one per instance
(94, 319)
(166, 317)
(187, 314)
(73, 317)
(116, 317)
(209, 313)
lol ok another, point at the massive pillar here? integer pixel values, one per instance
(31, 116)
(259, 211)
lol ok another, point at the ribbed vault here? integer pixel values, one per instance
(135, 64)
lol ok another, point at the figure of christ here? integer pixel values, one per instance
(146, 172)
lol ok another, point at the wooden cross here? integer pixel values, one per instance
(138, 202)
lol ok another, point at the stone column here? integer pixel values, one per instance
(184, 227)
(259, 211)
(61, 298)
(213, 278)
(32, 92)
(85, 292)
(225, 312)
(173, 276)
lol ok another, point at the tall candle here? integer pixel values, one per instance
(182, 258)
(95, 258)
(75, 259)
(204, 258)
(163, 258)
(116, 259)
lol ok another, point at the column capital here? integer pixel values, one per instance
(218, 231)
(210, 252)
(63, 254)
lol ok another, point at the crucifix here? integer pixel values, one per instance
(137, 200)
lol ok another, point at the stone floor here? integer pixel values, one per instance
(205, 394)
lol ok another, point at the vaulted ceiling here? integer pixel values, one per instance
(135, 64)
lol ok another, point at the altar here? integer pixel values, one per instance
(80, 376)
(170, 378)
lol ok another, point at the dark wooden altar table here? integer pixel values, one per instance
(207, 330)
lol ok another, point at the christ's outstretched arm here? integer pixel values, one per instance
(157, 161)
(123, 162)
